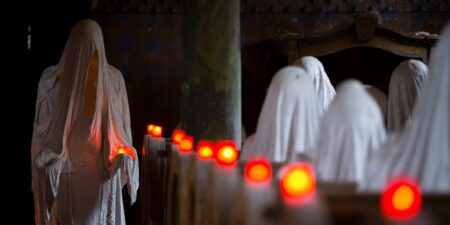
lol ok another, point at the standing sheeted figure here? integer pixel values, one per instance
(322, 83)
(81, 150)
(422, 150)
(289, 118)
(351, 130)
(404, 87)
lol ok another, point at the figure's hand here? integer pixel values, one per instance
(120, 157)
(118, 160)
(46, 158)
(128, 151)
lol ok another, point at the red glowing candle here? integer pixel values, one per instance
(227, 154)
(121, 150)
(258, 171)
(186, 144)
(298, 183)
(150, 128)
(205, 150)
(177, 136)
(157, 131)
(124, 150)
(401, 200)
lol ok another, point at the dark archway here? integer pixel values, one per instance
(370, 65)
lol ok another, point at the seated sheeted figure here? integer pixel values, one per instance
(422, 149)
(289, 118)
(322, 83)
(380, 99)
(350, 131)
(404, 87)
(82, 121)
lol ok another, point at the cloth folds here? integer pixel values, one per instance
(404, 87)
(289, 119)
(351, 130)
(322, 83)
(422, 150)
(82, 119)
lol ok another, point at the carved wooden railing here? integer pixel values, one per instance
(367, 30)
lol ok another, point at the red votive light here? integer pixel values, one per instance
(401, 199)
(205, 150)
(186, 144)
(258, 171)
(227, 154)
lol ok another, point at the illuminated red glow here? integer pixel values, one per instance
(150, 128)
(157, 131)
(205, 150)
(227, 154)
(298, 183)
(124, 150)
(177, 136)
(258, 171)
(186, 144)
(401, 199)
(121, 150)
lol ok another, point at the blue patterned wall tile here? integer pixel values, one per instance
(124, 44)
(153, 44)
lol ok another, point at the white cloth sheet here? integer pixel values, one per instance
(404, 87)
(289, 119)
(422, 151)
(351, 130)
(322, 83)
(82, 119)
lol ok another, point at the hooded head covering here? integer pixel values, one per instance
(380, 98)
(82, 119)
(321, 81)
(422, 151)
(289, 118)
(404, 87)
(350, 131)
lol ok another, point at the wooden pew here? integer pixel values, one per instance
(202, 193)
(198, 184)
(222, 187)
(178, 199)
(335, 203)
(254, 203)
(152, 183)
(163, 181)
(365, 209)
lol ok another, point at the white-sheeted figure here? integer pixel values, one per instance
(350, 131)
(380, 99)
(422, 150)
(81, 150)
(404, 87)
(289, 119)
(322, 83)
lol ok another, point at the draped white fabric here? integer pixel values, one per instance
(422, 150)
(289, 119)
(351, 130)
(380, 99)
(77, 173)
(322, 83)
(404, 87)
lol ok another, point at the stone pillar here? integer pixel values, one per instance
(211, 82)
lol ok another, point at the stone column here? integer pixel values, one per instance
(211, 82)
